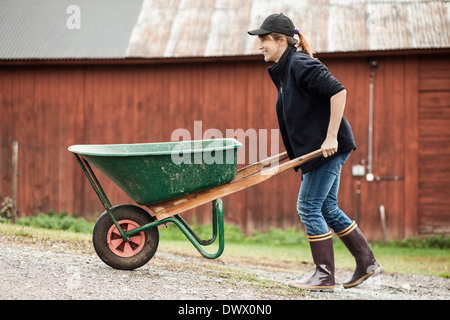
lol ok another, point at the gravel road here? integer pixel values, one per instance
(57, 271)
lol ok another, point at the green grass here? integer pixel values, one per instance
(433, 262)
(57, 221)
(430, 256)
(275, 247)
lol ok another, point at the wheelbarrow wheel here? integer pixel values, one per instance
(110, 246)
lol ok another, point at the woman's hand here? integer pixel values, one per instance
(329, 146)
(337, 106)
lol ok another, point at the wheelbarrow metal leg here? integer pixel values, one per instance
(99, 191)
(217, 212)
(218, 230)
(197, 238)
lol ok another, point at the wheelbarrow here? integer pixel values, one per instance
(168, 179)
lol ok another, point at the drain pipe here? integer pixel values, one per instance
(383, 223)
(373, 65)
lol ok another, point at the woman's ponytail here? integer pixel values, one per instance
(303, 44)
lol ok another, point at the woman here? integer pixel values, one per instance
(310, 108)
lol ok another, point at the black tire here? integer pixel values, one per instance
(140, 254)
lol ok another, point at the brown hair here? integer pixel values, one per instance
(302, 43)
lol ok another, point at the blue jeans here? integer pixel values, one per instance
(317, 199)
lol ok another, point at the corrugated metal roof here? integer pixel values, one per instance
(218, 28)
(205, 28)
(38, 29)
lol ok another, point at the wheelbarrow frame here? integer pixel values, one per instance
(169, 211)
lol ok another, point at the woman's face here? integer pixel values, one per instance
(272, 49)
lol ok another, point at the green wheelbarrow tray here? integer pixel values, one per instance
(168, 178)
(155, 172)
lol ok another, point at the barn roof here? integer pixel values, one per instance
(218, 28)
(46, 29)
(117, 29)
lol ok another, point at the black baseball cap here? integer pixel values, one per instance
(276, 22)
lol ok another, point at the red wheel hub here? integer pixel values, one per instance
(122, 248)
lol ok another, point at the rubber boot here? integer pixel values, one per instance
(366, 264)
(323, 256)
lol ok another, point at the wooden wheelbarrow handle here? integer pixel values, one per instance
(245, 178)
(258, 166)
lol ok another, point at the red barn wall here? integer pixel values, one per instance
(48, 107)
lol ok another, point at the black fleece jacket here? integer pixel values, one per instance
(305, 87)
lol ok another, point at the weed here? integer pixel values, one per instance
(6, 209)
(57, 221)
(433, 242)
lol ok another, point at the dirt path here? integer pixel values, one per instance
(59, 272)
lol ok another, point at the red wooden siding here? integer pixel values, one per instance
(434, 146)
(50, 107)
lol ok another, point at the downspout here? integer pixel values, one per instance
(373, 65)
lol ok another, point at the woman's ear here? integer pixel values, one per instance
(282, 42)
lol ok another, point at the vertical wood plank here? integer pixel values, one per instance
(15, 160)
(411, 148)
